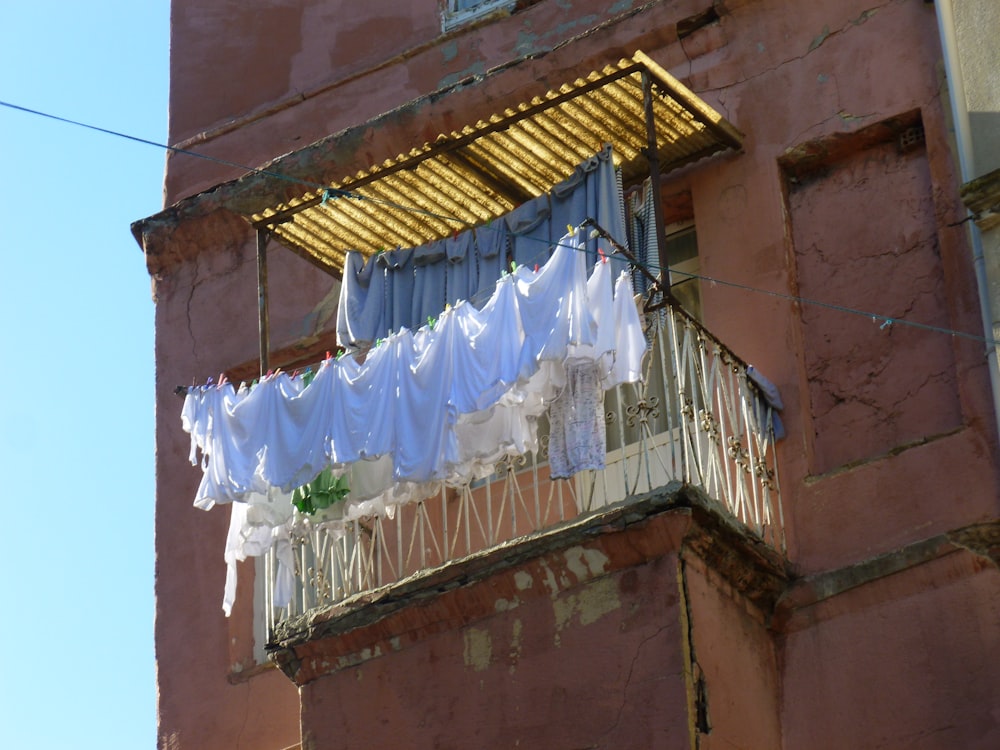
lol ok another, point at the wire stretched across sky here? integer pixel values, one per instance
(327, 192)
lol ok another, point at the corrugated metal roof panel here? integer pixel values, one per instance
(483, 171)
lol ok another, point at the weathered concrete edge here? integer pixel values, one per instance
(701, 527)
(980, 539)
(754, 569)
(982, 197)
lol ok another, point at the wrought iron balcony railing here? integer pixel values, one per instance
(697, 418)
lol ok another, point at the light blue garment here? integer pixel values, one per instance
(604, 194)
(569, 200)
(530, 230)
(360, 424)
(429, 270)
(461, 277)
(398, 266)
(592, 191)
(361, 308)
(772, 397)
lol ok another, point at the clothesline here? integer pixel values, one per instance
(536, 321)
(404, 287)
(425, 409)
(596, 230)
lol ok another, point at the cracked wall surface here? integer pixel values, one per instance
(873, 386)
(578, 664)
(907, 661)
(890, 440)
(206, 322)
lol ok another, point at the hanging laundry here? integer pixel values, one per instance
(362, 413)
(256, 527)
(404, 398)
(604, 194)
(577, 436)
(467, 265)
(361, 307)
(399, 281)
(642, 233)
(593, 190)
(461, 278)
(491, 255)
(530, 228)
(429, 281)
(631, 345)
(767, 392)
(428, 408)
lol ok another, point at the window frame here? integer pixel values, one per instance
(452, 16)
(688, 266)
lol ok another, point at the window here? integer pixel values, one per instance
(682, 259)
(458, 12)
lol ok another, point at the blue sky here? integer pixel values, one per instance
(76, 381)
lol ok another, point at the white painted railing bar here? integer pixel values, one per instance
(696, 418)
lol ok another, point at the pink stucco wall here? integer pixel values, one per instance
(206, 323)
(569, 664)
(733, 653)
(891, 436)
(906, 662)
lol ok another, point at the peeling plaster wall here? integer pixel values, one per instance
(327, 67)
(909, 661)
(887, 386)
(734, 664)
(817, 76)
(604, 658)
(205, 323)
(564, 664)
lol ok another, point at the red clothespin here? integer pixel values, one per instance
(536, 268)
(328, 355)
(454, 234)
(604, 258)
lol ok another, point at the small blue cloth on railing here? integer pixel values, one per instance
(772, 398)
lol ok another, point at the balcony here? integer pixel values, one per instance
(697, 418)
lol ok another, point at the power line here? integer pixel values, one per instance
(648, 268)
(174, 149)
(886, 320)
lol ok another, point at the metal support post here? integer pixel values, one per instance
(263, 236)
(653, 159)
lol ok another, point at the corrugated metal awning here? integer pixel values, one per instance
(468, 177)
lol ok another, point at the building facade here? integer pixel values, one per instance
(819, 233)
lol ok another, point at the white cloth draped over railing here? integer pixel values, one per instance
(424, 408)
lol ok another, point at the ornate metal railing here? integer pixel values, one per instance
(697, 418)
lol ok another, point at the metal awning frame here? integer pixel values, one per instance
(652, 77)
